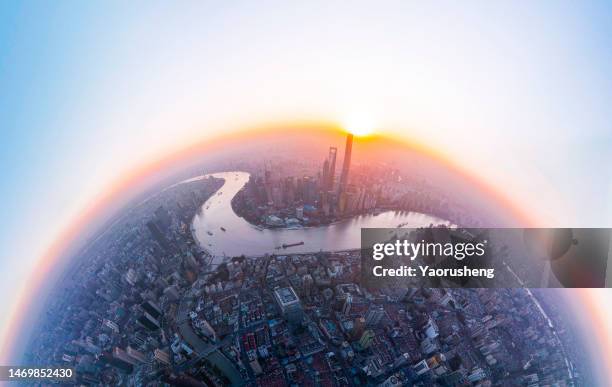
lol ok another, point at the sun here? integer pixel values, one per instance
(359, 126)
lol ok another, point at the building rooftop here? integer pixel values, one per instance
(286, 295)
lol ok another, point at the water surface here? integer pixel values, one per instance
(241, 237)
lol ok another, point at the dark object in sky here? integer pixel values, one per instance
(578, 257)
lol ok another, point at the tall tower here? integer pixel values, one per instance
(346, 164)
(325, 175)
(268, 182)
(331, 167)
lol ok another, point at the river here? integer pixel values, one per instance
(241, 237)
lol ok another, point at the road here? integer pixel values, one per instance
(202, 348)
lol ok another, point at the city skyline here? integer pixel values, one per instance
(152, 300)
(272, 135)
(91, 113)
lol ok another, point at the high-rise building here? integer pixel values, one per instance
(172, 293)
(119, 359)
(348, 302)
(346, 163)
(289, 186)
(374, 315)
(208, 330)
(325, 175)
(135, 355)
(277, 195)
(331, 158)
(359, 326)
(149, 322)
(110, 325)
(161, 356)
(366, 339)
(310, 191)
(151, 308)
(131, 276)
(158, 235)
(431, 329)
(122, 356)
(401, 360)
(289, 304)
(268, 184)
(324, 203)
(392, 381)
(421, 367)
(476, 375)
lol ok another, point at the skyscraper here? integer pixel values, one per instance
(325, 176)
(289, 303)
(374, 315)
(149, 322)
(346, 164)
(268, 183)
(161, 356)
(331, 171)
(367, 338)
(346, 308)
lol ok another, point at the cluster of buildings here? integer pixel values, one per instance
(305, 320)
(311, 195)
(113, 314)
(143, 305)
(274, 199)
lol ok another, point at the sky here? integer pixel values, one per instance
(516, 92)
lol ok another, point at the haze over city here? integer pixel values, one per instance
(100, 101)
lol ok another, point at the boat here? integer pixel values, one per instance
(223, 229)
(286, 245)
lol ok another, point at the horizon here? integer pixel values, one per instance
(102, 102)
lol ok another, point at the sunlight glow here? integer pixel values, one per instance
(359, 125)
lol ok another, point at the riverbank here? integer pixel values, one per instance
(243, 238)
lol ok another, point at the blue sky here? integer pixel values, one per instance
(519, 92)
